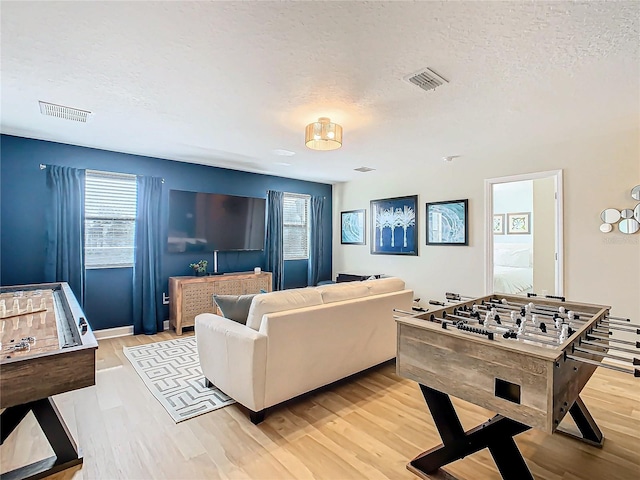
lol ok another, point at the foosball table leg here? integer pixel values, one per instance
(495, 434)
(589, 431)
(53, 426)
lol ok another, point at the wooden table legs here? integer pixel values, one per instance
(66, 452)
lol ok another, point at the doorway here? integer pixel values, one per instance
(524, 234)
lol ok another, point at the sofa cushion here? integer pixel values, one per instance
(280, 301)
(234, 307)
(384, 285)
(342, 291)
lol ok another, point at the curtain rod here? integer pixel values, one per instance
(303, 194)
(43, 166)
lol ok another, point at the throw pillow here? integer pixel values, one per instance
(234, 307)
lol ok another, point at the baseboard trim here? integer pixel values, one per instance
(119, 331)
(113, 332)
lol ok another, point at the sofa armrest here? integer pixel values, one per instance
(233, 357)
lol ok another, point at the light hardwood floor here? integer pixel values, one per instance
(366, 428)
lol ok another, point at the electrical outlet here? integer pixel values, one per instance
(165, 299)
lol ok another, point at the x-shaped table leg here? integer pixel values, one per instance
(495, 434)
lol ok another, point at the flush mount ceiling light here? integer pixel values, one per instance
(323, 135)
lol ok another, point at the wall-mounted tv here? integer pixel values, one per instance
(208, 222)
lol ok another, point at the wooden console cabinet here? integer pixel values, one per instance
(191, 296)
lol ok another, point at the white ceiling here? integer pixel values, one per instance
(226, 83)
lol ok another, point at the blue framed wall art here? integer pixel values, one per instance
(394, 226)
(447, 223)
(352, 227)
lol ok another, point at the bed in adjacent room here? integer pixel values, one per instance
(512, 268)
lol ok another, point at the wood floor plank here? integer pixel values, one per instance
(368, 427)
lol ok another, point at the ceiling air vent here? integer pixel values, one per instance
(68, 113)
(364, 169)
(426, 79)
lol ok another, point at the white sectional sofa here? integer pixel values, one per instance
(297, 340)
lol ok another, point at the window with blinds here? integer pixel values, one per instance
(110, 219)
(296, 226)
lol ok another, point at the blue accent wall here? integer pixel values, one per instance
(108, 296)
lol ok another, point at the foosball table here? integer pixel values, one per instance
(47, 348)
(525, 358)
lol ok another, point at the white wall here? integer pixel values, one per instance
(599, 172)
(513, 197)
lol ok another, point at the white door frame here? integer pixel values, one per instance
(559, 242)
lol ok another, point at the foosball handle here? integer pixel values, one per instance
(562, 299)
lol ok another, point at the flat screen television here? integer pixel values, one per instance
(208, 222)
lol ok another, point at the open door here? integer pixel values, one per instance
(524, 234)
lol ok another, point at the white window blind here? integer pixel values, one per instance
(110, 219)
(296, 226)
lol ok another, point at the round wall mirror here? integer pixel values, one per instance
(636, 212)
(635, 192)
(629, 226)
(626, 213)
(606, 227)
(610, 215)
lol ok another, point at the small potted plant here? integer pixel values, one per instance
(199, 268)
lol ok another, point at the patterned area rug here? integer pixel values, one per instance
(172, 373)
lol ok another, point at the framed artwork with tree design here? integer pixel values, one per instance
(394, 226)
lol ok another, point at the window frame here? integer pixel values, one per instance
(306, 225)
(88, 217)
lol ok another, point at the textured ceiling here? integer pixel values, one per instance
(226, 83)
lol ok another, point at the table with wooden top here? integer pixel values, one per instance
(528, 383)
(190, 296)
(47, 348)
